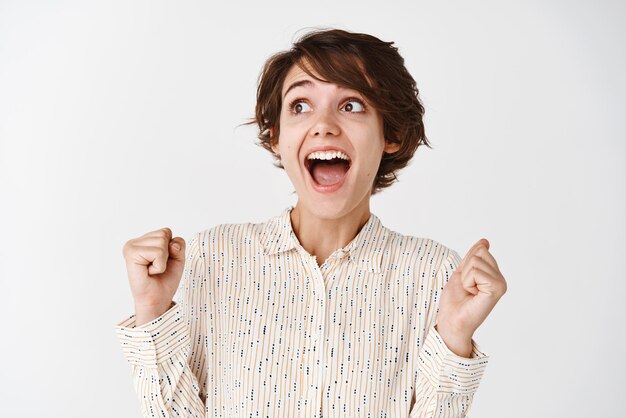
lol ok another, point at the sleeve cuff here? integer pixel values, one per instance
(447, 371)
(153, 342)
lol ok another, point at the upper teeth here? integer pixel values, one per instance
(327, 155)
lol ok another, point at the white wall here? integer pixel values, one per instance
(120, 117)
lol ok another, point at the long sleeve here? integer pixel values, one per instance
(166, 355)
(445, 383)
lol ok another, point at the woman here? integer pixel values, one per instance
(321, 310)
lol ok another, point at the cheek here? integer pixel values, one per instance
(288, 153)
(288, 145)
(372, 151)
(372, 169)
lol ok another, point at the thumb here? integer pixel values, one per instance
(177, 249)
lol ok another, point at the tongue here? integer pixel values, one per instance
(328, 173)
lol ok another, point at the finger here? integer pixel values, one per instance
(481, 243)
(468, 281)
(163, 232)
(153, 257)
(177, 249)
(488, 257)
(477, 281)
(472, 251)
(151, 241)
(479, 262)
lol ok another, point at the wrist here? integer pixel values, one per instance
(147, 313)
(458, 343)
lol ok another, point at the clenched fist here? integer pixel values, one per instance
(155, 263)
(469, 296)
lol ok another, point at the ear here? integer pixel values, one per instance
(391, 147)
(273, 141)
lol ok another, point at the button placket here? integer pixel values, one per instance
(313, 394)
(318, 309)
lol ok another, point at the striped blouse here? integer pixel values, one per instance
(259, 329)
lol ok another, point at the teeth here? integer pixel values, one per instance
(327, 155)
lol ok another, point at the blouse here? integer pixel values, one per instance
(258, 329)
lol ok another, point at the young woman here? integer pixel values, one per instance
(321, 310)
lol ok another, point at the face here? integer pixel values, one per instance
(321, 119)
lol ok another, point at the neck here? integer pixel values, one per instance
(320, 237)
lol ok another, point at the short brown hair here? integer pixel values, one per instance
(353, 60)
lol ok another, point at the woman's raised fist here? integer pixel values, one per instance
(155, 263)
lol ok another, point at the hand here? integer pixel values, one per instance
(155, 265)
(469, 296)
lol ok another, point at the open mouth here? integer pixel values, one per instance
(328, 172)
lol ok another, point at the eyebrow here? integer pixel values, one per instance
(304, 83)
(300, 83)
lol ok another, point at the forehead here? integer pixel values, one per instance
(297, 74)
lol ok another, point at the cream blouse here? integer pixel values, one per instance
(259, 329)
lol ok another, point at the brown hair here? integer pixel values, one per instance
(353, 60)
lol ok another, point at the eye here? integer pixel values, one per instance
(298, 106)
(350, 107)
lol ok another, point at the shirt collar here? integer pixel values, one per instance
(365, 249)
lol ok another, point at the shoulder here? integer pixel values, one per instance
(226, 238)
(422, 253)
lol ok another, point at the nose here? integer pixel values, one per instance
(325, 124)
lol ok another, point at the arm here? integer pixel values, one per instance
(445, 383)
(166, 354)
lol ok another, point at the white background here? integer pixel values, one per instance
(120, 117)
